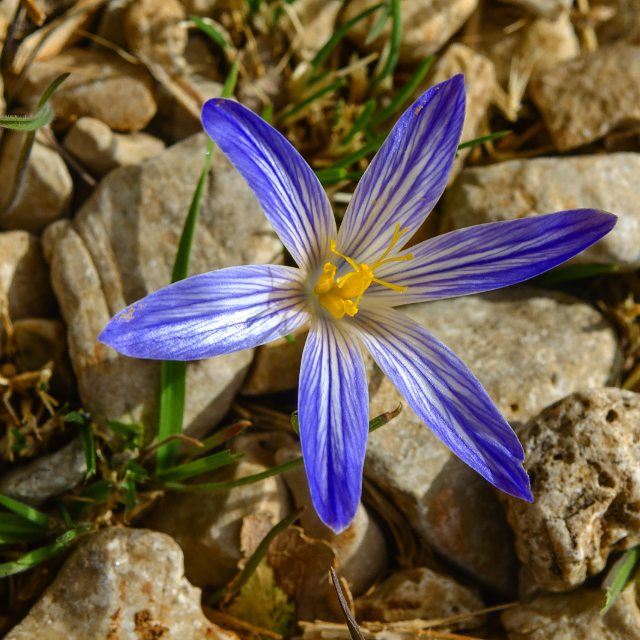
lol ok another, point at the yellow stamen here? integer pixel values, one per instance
(342, 296)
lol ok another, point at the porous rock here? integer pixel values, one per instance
(582, 455)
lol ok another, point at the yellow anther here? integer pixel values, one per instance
(341, 296)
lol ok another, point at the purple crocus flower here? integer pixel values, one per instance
(346, 287)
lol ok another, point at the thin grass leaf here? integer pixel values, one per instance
(352, 625)
(340, 170)
(619, 576)
(173, 374)
(217, 439)
(345, 175)
(404, 94)
(132, 434)
(297, 108)
(34, 558)
(89, 449)
(361, 122)
(252, 563)
(573, 272)
(393, 56)
(378, 27)
(25, 511)
(339, 34)
(374, 424)
(200, 466)
(12, 524)
(482, 139)
(209, 30)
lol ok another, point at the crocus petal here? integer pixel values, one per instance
(333, 413)
(211, 314)
(490, 256)
(290, 194)
(446, 396)
(408, 174)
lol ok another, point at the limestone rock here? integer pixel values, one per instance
(582, 456)
(584, 99)
(121, 246)
(528, 347)
(155, 30)
(276, 366)
(24, 277)
(419, 594)
(480, 77)
(523, 188)
(109, 88)
(101, 150)
(544, 8)
(318, 19)
(47, 476)
(121, 583)
(575, 615)
(361, 549)
(426, 25)
(208, 526)
(45, 192)
(451, 508)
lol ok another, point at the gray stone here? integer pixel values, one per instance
(24, 276)
(451, 508)
(156, 30)
(109, 88)
(528, 348)
(120, 583)
(208, 526)
(584, 99)
(582, 455)
(101, 150)
(45, 191)
(480, 77)
(48, 476)
(361, 549)
(543, 8)
(426, 25)
(420, 594)
(523, 188)
(121, 246)
(575, 616)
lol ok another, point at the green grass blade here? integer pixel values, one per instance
(200, 466)
(217, 439)
(173, 374)
(132, 434)
(339, 170)
(482, 139)
(573, 272)
(297, 108)
(208, 29)
(339, 34)
(403, 95)
(361, 121)
(378, 27)
(89, 449)
(391, 62)
(618, 577)
(13, 524)
(252, 563)
(34, 558)
(352, 625)
(374, 424)
(25, 511)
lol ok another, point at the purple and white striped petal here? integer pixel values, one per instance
(491, 256)
(446, 396)
(211, 314)
(408, 174)
(290, 194)
(333, 410)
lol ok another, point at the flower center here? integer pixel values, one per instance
(341, 296)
